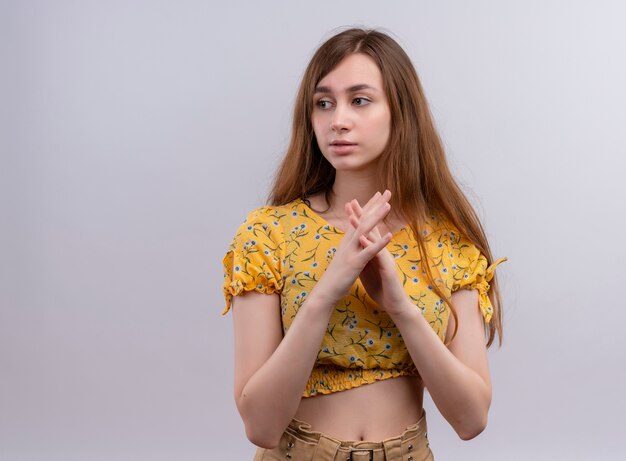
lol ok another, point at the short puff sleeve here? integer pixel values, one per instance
(253, 260)
(470, 270)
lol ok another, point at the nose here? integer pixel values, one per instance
(340, 120)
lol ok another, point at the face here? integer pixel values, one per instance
(351, 116)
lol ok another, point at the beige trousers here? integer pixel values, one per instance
(300, 443)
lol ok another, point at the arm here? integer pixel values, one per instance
(271, 372)
(457, 377)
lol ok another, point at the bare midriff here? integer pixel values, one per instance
(372, 412)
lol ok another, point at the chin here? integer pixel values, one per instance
(347, 165)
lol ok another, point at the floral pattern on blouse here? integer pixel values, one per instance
(286, 249)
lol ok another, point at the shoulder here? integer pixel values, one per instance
(446, 235)
(440, 227)
(436, 229)
(271, 212)
(267, 212)
(268, 219)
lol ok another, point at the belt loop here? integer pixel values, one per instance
(393, 448)
(326, 449)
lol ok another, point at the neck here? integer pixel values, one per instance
(351, 185)
(359, 185)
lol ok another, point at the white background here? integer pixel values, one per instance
(136, 135)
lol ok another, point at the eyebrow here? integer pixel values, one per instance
(353, 88)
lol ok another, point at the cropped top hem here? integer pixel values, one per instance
(329, 379)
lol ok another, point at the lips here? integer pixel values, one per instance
(342, 147)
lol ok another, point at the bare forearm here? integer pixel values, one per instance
(459, 392)
(271, 396)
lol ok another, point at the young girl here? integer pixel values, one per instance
(366, 279)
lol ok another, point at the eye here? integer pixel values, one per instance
(361, 101)
(323, 104)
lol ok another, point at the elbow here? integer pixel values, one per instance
(470, 433)
(471, 429)
(259, 430)
(474, 419)
(261, 438)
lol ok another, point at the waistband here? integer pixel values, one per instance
(411, 445)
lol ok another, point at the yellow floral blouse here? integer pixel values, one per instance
(286, 249)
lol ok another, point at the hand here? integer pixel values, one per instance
(380, 275)
(352, 256)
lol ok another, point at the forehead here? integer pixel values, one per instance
(356, 68)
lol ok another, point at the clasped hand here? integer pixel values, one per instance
(380, 275)
(362, 254)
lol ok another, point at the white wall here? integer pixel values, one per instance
(136, 135)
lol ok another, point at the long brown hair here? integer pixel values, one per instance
(413, 164)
